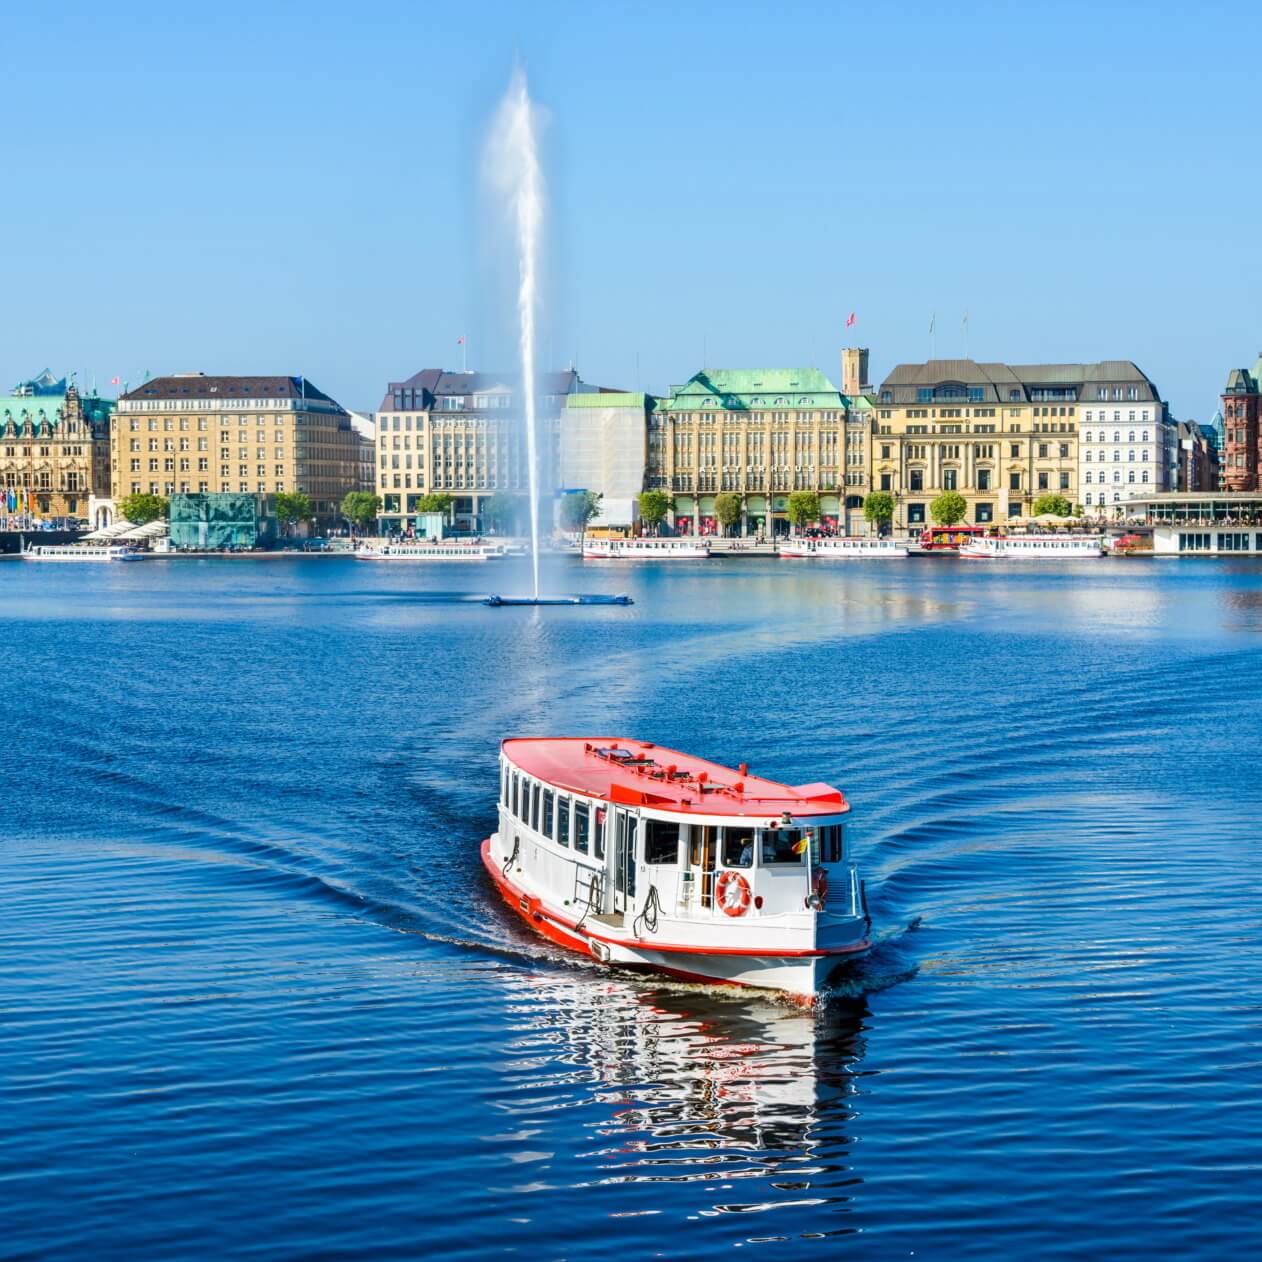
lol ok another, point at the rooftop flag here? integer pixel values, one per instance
(116, 381)
(850, 319)
(460, 340)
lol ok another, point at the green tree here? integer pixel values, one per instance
(435, 502)
(142, 509)
(292, 507)
(1058, 505)
(948, 508)
(727, 508)
(654, 505)
(577, 510)
(503, 512)
(878, 509)
(804, 506)
(360, 508)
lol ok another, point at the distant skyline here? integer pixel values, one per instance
(293, 189)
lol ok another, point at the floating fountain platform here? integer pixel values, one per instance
(620, 599)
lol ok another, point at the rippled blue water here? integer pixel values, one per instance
(257, 999)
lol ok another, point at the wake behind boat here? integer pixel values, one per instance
(651, 859)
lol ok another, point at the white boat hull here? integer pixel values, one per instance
(841, 549)
(1033, 548)
(80, 556)
(645, 550)
(431, 554)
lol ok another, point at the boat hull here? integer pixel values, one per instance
(800, 973)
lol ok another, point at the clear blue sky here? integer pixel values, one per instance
(292, 187)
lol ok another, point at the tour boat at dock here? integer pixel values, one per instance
(646, 858)
(1033, 547)
(646, 549)
(842, 549)
(79, 552)
(430, 552)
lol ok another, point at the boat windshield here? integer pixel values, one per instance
(782, 845)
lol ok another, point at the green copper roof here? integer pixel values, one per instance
(756, 388)
(44, 409)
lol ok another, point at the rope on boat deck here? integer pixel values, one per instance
(647, 919)
(512, 858)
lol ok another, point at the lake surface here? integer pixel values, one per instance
(257, 999)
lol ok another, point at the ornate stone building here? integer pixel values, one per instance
(54, 449)
(760, 433)
(1241, 402)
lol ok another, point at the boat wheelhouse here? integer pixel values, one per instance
(430, 552)
(647, 858)
(842, 549)
(1033, 547)
(77, 553)
(646, 549)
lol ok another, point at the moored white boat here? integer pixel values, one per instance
(647, 858)
(430, 552)
(79, 552)
(840, 549)
(646, 549)
(1033, 547)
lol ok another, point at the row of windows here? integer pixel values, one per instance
(1117, 456)
(575, 822)
(1117, 437)
(1117, 476)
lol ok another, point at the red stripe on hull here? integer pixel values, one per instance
(557, 929)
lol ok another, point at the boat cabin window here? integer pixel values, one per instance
(782, 845)
(505, 779)
(582, 824)
(825, 843)
(598, 833)
(534, 806)
(661, 841)
(563, 819)
(738, 848)
(549, 800)
(516, 790)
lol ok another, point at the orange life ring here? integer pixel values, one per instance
(732, 892)
(819, 885)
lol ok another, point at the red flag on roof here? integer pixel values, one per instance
(850, 319)
(460, 341)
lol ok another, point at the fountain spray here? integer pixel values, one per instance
(512, 167)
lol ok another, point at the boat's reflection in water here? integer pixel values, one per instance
(748, 1099)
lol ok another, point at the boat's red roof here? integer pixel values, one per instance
(642, 774)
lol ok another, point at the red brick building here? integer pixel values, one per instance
(1242, 404)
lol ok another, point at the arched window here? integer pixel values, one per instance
(1130, 455)
(1117, 437)
(1130, 438)
(1145, 439)
(1131, 477)
(1088, 460)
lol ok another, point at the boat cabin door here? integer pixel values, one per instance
(625, 838)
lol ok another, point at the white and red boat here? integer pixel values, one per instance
(669, 549)
(647, 858)
(834, 548)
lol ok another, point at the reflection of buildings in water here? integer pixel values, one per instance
(690, 1087)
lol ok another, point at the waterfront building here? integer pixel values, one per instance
(1003, 435)
(760, 433)
(194, 434)
(54, 449)
(1197, 457)
(218, 520)
(365, 450)
(860, 424)
(603, 447)
(462, 434)
(1206, 523)
(1242, 405)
